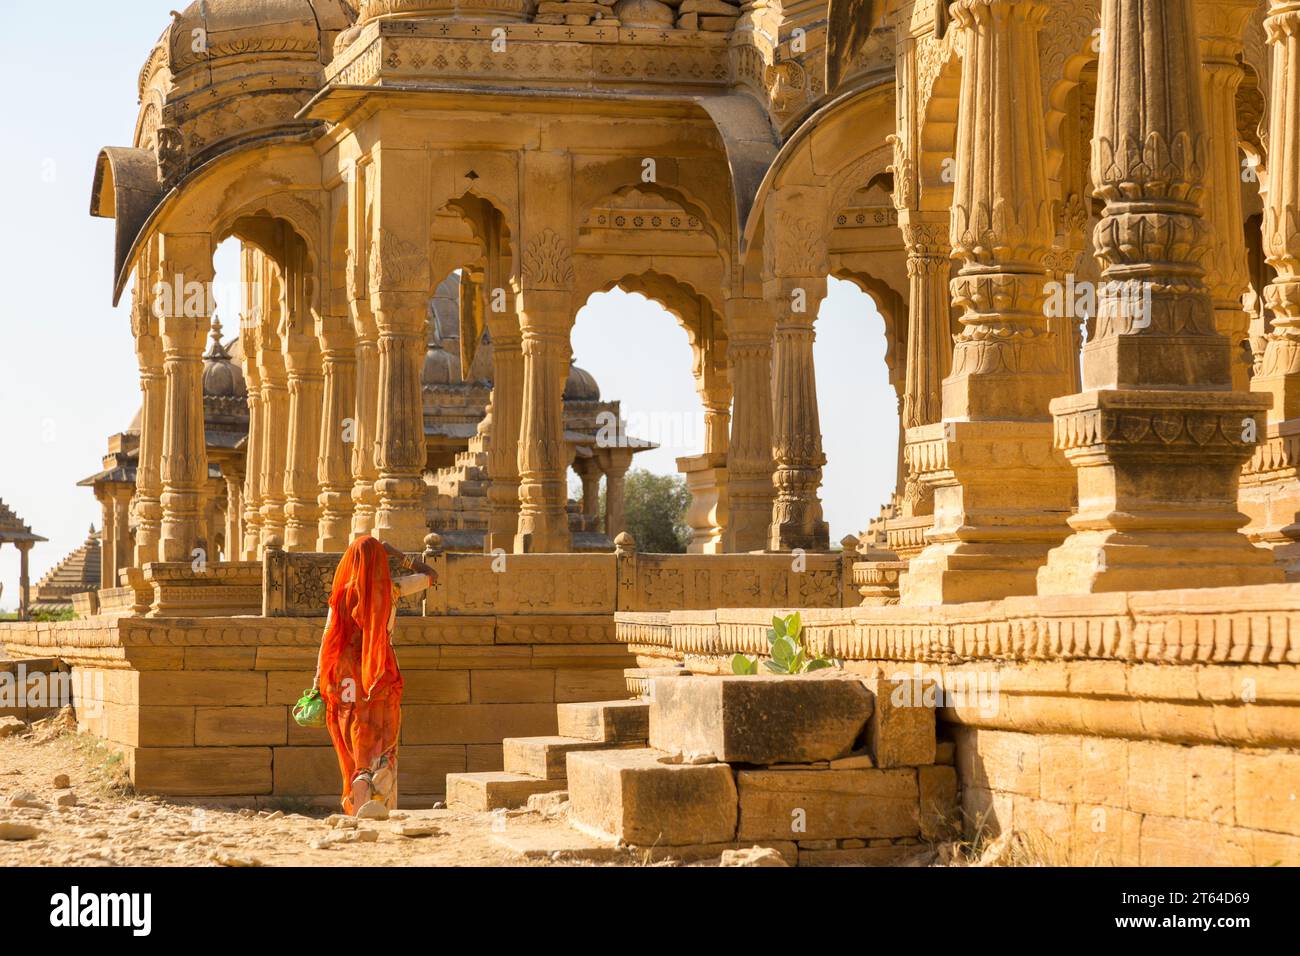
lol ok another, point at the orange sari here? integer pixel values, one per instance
(360, 682)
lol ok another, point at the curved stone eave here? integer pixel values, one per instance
(126, 189)
(794, 143)
(751, 145)
(124, 261)
(848, 24)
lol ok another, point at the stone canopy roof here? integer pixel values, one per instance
(12, 528)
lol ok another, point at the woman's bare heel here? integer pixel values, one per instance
(360, 790)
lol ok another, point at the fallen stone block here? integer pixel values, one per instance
(827, 804)
(630, 796)
(759, 720)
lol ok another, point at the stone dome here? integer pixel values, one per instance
(440, 367)
(581, 386)
(223, 378)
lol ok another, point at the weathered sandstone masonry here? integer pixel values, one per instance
(199, 700)
(1151, 728)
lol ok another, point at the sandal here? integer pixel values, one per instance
(359, 797)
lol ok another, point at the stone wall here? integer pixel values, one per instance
(201, 707)
(1143, 728)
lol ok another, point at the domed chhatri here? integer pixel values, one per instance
(222, 376)
(581, 385)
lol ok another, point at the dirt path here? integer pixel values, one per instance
(107, 825)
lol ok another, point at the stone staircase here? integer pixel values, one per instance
(826, 771)
(539, 764)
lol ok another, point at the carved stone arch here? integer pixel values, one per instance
(675, 193)
(855, 176)
(892, 307)
(1065, 53)
(303, 210)
(938, 70)
(474, 205)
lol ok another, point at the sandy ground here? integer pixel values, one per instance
(107, 825)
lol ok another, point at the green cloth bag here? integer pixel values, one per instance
(310, 709)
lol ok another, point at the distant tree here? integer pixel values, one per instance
(654, 508)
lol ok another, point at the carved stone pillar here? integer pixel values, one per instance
(148, 473)
(1280, 375)
(234, 511)
(337, 430)
(401, 317)
(796, 264)
(107, 542)
(306, 383)
(545, 318)
(121, 531)
(1001, 494)
(929, 337)
(589, 474)
(275, 412)
(187, 261)
(614, 462)
(750, 491)
(365, 471)
(1227, 277)
(1270, 483)
(503, 442)
(1156, 436)
(252, 497)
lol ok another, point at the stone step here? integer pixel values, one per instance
(493, 790)
(544, 757)
(608, 721)
(634, 796)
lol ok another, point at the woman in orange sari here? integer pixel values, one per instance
(357, 671)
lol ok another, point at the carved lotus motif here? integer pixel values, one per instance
(1168, 426)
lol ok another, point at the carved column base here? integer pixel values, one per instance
(1001, 498)
(706, 480)
(1158, 473)
(301, 526)
(1270, 495)
(543, 533)
(335, 529)
(400, 519)
(749, 513)
(503, 516)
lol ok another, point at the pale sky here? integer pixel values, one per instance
(68, 375)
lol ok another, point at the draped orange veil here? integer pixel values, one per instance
(360, 681)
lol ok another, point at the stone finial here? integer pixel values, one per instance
(624, 543)
(850, 543)
(432, 544)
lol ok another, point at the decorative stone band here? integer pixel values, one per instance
(1277, 454)
(407, 51)
(297, 584)
(1245, 625)
(1219, 427)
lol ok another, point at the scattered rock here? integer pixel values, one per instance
(65, 798)
(553, 804)
(997, 853)
(372, 810)
(231, 860)
(415, 830)
(25, 798)
(17, 831)
(246, 812)
(440, 805)
(10, 726)
(61, 781)
(349, 836)
(338, 822)
(753, 856)
(277, 815)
